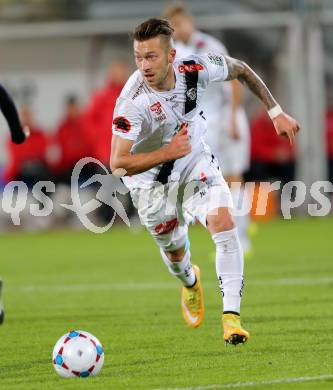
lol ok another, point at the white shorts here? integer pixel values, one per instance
(233, 155)
(167, 210)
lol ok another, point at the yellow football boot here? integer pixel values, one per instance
(192, 302)
(233, 331)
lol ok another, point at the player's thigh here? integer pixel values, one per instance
(160, 217)
(206, 191)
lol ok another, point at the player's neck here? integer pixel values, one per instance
(168, 83)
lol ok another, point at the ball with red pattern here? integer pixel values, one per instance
(78, 354)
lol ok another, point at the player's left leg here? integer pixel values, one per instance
(207, 197)
(229, 270)
(2, 312)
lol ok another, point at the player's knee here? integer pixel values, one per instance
(227, 242)
(176, 255)
(220, 221)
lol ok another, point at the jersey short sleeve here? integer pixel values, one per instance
(216, 66)
(127, 119)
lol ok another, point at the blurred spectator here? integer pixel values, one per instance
(27, 162)
(98, 118)
(272, 157)
(329, 143)
(69, 144)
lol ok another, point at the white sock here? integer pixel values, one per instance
(183, 269)
(241, 200)
(229, 268)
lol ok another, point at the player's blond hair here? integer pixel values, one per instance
(175, 9)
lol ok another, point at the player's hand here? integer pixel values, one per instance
(180, 144)
(286, 126)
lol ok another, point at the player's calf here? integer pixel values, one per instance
(229, 270)
(180, 267)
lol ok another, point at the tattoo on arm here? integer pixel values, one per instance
(241, 71)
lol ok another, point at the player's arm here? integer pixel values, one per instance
(284, 124)
(7, 106)
(134, 163)
(236, 101)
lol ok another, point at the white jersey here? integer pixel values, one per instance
(217, 99)
(151, 118)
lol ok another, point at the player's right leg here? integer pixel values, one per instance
(179, 265)
(2, 312)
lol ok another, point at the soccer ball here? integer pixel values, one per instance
(78, 354)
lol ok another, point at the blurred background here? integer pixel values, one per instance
(65, 63)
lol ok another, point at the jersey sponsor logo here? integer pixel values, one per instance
(171, 98)
(166, 227)
(189, 68)
(191, 94)
(216, 59)
(138, 91)
(157, 110)
(121, 124)
(191, 80)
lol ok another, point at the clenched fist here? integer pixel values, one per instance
(180, 144)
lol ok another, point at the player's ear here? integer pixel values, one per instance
(172, 55)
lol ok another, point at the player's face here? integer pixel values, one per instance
(153, 58)
(183, 27)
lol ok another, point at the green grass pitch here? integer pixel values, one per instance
(116, 286)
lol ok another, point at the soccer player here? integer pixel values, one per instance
(18, 135)
(228, 134)
(171, 174)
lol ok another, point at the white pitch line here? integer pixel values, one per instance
(166, 285)
(251, 384)
(292, 281)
